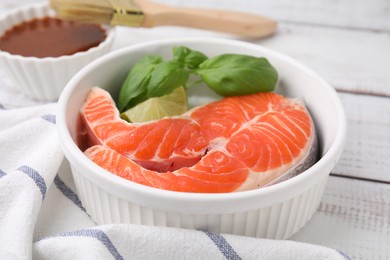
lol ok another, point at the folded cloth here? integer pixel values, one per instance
(41, 216)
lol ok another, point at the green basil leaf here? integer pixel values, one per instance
(235, 74)
(188, 58)
(165, 77)
(134, 88)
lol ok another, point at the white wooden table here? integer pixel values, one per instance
(348, 43)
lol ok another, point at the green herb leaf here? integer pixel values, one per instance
(226, 74)
(234, 74)
(134, 88)
(165, 77)
(188, 58)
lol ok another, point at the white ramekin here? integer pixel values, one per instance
(44, 79)
(276, 211)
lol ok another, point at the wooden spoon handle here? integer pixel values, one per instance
(242, 24)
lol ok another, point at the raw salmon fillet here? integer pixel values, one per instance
(234, 144)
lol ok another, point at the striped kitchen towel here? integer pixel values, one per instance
(41, 216)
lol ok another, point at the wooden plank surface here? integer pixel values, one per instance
(367, 149)
(353, 217)
(357, 61)
(356, 14)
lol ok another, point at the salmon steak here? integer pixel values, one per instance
(233, 144)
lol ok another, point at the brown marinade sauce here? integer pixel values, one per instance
(51, 37)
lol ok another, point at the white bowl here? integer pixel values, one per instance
(276, 211)
(44, 78)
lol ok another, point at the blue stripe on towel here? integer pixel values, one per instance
(2, 173)
(344, 255)
(223, 246)
(94, 233)
(68, 192)
(49, 118)
(37, 178)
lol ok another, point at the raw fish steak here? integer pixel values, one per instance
(234, 144)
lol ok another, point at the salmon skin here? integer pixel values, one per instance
(234, 144)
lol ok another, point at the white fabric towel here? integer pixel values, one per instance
(41, 216)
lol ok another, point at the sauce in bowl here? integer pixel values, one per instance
(51, 37)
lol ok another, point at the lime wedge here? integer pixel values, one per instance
(172, 104)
